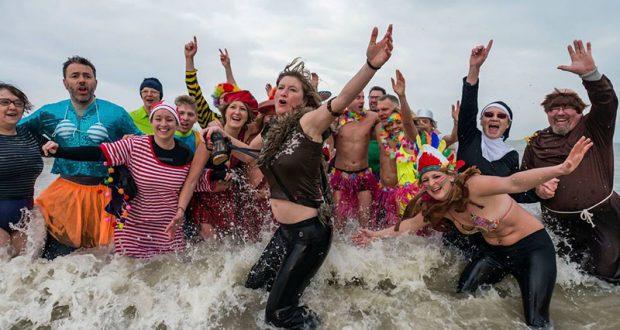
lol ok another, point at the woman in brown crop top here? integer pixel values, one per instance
(516, 242)
(290, 158)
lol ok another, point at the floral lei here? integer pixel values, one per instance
(394, 152)
(351, 116)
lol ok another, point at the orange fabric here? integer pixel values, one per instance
(75, 213)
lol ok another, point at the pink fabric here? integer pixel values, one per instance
(349, 184)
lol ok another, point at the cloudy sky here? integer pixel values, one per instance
(129, 40)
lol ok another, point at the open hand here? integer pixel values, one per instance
(363, 237)
(314, 80)
(171, 228)
(191, 48)
(379, 52)
(576, 155)
(50, 148)
(399, 85)
(581, 58)
(479, 54)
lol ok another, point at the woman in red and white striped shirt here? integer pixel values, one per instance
(158, 164)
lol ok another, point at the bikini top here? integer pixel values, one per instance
(96, 133)
(483, 224)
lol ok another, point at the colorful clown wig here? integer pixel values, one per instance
(221, 89)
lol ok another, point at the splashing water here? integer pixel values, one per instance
(403, 283)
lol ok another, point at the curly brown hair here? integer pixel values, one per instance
(434, 211)
(297, 69)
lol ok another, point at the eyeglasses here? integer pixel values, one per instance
(500, 115)
(17, 103)
(566, 108)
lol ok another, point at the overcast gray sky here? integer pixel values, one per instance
(130, 40)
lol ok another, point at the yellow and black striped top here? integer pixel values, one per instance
(204, 113)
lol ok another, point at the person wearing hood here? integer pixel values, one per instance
(486, 149)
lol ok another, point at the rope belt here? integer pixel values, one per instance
(584, 214)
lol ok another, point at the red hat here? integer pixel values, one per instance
(267, 107)
(242, 96)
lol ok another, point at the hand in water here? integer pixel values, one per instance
(363, 237)
(171, 229)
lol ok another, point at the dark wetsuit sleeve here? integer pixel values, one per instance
(85, 153)
(467, 129)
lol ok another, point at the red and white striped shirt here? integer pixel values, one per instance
(155, 203)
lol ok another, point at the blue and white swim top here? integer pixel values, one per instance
(96, 133)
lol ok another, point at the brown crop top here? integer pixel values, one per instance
(296, 170)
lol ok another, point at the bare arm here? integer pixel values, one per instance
(453, 137)
(198, 165)
(525, 180)
(478, 55)
(314, 123)
(399, 88)
(256, 143)
(225, 60)
(365, 236)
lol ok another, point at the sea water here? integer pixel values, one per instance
(403, 283)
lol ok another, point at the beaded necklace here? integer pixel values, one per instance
(394, 152)
(351, 117)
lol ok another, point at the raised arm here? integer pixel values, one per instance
(314, 123)
(467, 128)
(477, 57)
(453, 136)
(204, 113)
(225, 60)
(525, 180)
(602, 116)
(398, 86)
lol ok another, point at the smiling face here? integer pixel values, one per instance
(236, 115)
(394, 125)
(563, 119)
(187, 115)
(164, 124)
(437, 184)
(10, 114)
(289, 95)
(80, 82)
(149, 97)
(494, 122)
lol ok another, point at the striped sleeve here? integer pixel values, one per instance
(205, 115)
(205, 184)
(118, 153)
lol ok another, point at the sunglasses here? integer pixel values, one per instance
(500, 115)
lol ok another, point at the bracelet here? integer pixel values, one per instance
(329, 108)
(371, 66)
(180, 208)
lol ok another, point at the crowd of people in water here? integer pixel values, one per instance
(306, 164)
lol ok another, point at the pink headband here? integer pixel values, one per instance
(162, 105)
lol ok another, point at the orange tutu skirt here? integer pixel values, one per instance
(74, 213)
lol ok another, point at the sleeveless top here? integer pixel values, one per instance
(294, 173)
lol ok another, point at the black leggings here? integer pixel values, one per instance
(290, 260)
(531, 261)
